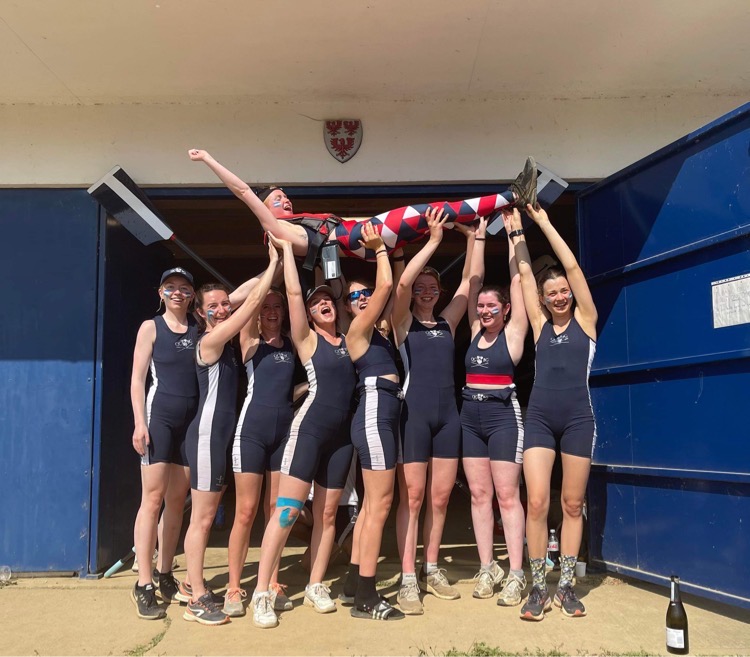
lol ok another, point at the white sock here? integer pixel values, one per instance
(430, 567)
(409, 578)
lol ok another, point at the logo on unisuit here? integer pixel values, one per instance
(342, 352)
(282, 357)
(480, 397)
(559, 339)
(184, 344)
(435, 333)
(480, 361)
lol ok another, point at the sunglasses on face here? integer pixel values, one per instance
(354, 296)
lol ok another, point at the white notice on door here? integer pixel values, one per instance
(731, 301)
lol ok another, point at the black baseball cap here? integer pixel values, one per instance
(326, 289)
(176, 271)
(264, 192)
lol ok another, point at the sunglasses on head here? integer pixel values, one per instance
(354, 296)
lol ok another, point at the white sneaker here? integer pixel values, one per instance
(318, 596)
(263, 614)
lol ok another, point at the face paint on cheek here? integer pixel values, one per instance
(276, 204)
(495, 311)
(167, 293)
(210, 315)
(313, 311)
(570, 296)
(187, 295)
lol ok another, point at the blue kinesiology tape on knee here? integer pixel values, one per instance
(286, 519)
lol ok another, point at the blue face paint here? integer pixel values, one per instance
(167, 293)
(277, 204)
(210, 314)
(495, 311)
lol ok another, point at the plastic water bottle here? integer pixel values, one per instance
(677, 622)
(5, 574)
(553, 548)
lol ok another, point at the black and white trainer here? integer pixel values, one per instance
(144, 599)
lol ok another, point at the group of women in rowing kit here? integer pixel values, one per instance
(187, 432)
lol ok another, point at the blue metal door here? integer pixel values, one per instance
(666, 246)
(48, 265)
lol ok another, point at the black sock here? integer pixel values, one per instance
(352, 577)
(367, 594)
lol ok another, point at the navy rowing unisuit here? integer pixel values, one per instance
(319, 448)
(172, 398)
(376, 420)
(430, 426)
(211, 431)
(491, 417)
(563, 364)
(267, 411)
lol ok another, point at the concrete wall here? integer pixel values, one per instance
(582, 139)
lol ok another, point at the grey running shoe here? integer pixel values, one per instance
(537, 603)
(524, 186)
(281, 601)
(568, 601)
(233, 606)
(205, 611)
(486, 579)
(318, 596)
(437, 583)
(408, 599)
(144, 599)
(512, 591)
(169, 587)
(263, 614)
(185, 593)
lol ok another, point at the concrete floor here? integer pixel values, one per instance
(66, 616)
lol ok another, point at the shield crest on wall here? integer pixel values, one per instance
(343, 138)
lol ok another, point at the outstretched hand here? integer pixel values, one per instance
(538, 215)
(370, 238)
(511, 219)
(466, 231)
(197, 155)
(435, 222)
(277, 243)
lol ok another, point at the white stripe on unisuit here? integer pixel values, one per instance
(236, 445)
(291, 443)
(519, 425)
(592, 353)
(407, 365)
(145, 459)
(203, 466)
(374, 441)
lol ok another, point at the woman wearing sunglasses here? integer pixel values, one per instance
(374, 431)
(430, 425)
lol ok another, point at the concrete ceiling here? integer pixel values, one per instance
(202, 51)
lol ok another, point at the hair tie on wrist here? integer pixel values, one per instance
(480, 239)
(515, 233)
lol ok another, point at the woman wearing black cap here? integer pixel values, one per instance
(166, 346)
(318, 448)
